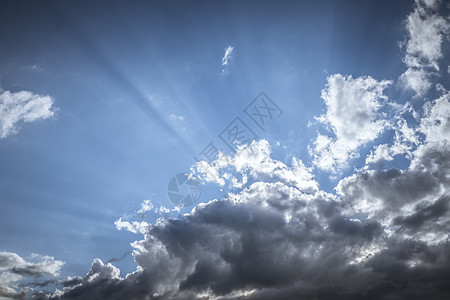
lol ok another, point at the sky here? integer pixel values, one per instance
(224, 150)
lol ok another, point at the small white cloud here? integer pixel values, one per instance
(227, 55)
(174, 117)
(146, 206)
(134, 226)
(22, 106)
(226, 58)
(380, 153)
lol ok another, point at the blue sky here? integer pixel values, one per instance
(137, 89)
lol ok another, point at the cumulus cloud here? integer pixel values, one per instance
(380, 153)
(412, 194)
(426, 32)
(14, 268)
(22, 107)
(276, 239)
(353, 116)
(436, 122)
(253, 161)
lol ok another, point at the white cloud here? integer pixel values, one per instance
(254, 161)
(22, 106)
(227, 56)
(426, 32)
(146, 206)
(352, 115)
(134, 226)
(436, 121)
(44, 265)
(416, 80)
(226, 59)
(380, 153)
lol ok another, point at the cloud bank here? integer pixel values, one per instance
(384, 235)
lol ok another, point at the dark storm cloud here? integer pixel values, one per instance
(300, 246)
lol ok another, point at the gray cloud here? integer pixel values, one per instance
(271, 240)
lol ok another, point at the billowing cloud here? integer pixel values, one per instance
(277, 235)
(274, 239)
(353, 117)
(22, 107)
(254, 162)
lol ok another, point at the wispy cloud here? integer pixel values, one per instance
(227, 55)
(226, 58)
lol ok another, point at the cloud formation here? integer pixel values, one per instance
(14, 268)
(353, 116)
(383, 234)
(22, 107)
(426, 33)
